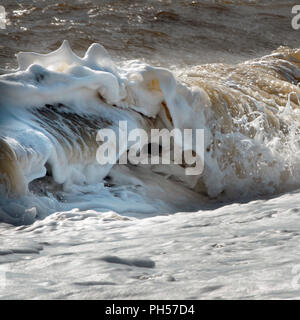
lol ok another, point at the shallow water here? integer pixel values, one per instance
(232, 234)
(166, 33)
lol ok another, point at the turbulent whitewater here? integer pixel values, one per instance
(53, 105)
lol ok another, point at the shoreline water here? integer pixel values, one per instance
(135, 233)
(178, 33)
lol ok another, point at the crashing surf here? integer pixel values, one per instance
(53, 105)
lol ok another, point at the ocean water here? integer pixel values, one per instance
(72, 228)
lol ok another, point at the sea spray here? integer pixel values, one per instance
(53, 106)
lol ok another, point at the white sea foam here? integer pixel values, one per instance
(116, 238)
(54, 104)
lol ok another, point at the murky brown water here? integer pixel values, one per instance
(164, 32)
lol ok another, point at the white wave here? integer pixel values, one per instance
(53, 105)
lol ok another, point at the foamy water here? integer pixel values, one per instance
(207, 237)
(53, 106)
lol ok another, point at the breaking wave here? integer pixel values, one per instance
(54, 104)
